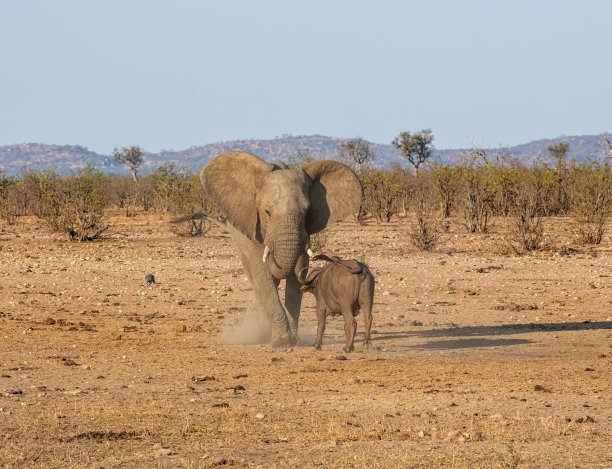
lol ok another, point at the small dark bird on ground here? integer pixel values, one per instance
(150, 279)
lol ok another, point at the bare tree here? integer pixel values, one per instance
(356, 153)
(558, 150)
(560, 191)
(416, 147)
(131, 157)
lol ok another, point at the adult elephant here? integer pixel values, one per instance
(272, 211)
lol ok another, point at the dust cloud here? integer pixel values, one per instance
(254, 328)
(306, 337)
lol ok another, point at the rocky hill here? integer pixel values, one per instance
(64, 158)
(67, 159)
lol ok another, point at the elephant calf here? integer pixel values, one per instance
(341, 286)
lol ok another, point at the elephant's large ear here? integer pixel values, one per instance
(231, 180)
(335, 193)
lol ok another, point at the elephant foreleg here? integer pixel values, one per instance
(293, 302)
(293, 295)
(265, 289)
(266, 293)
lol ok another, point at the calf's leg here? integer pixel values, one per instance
(366, 298)
(321, 315)
(350, 326)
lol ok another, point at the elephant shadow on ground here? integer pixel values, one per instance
(475, 336)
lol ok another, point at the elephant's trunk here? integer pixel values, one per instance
(286, 246)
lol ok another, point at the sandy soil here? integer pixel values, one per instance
(479, 359)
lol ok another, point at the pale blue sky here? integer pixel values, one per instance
(172, 74)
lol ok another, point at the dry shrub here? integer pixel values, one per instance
(426, 229)
(130, 196)
(478, 191)
(448, 183)
(181, 193)
(590, 231)
(173, 190)
(505, 174)
(70, 204)
(591, 200)
(526, 232)
(9, 209)
(381, 192)
(555, 187)
(196, 224)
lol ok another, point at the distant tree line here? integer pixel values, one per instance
(472, 192)
(480, 187)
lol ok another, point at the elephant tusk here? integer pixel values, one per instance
(266, 253)
(309, 252)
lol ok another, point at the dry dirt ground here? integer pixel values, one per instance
(479, 358)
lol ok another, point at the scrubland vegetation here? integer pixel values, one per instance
(475, 190)
(480, 357)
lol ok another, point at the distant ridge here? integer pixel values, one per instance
(66, 159)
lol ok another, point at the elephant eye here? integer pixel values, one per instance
(267, 212)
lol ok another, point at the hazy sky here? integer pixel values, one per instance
(172, 74)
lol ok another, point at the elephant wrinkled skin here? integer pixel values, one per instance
(272, 211)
